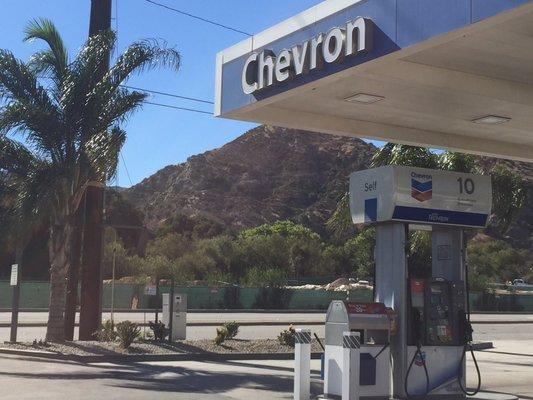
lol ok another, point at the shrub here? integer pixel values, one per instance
(262, 277)
(106, 333)
(160, 330)
(222, 335)
(287, 336)
(127, 332)
(232, 329)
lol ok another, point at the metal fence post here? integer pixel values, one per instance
(302, 364)
(350, 366)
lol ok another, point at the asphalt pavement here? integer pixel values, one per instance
(507, 368)
(487, 327)
(251, 317)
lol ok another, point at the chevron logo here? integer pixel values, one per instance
(422, 191)
(420, 359)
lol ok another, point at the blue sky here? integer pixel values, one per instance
(158, 136)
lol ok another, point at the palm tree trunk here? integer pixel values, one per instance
(60, 239)
(74, 272)
(72, 285)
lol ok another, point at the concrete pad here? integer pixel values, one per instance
(493, 396)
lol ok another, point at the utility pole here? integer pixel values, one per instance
(91, 285)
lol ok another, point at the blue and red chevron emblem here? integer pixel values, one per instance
(421, 191)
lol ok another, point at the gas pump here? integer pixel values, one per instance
(433, 331)
(438, 319)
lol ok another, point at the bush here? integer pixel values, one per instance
(222, 335)
(160, 330)
(263, 277)
(287, 336)
(232, 329)
(106, 333)
(127, 332)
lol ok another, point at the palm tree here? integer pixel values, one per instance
(401, 154)
(16, 227)
(69, 118)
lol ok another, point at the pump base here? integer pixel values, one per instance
(333, 397)
(493, 396)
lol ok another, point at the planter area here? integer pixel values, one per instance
(188, 347)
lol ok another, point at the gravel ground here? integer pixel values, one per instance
(234, 346)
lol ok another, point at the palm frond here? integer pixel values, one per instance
(55, 60)
(41, 127)
(117, 110)
(29, 107)
(27, 195)
(137, 58)
(340, 223)
(41, 190)
(400, 154)
(142, 56)
(458, 162)
(509, 196)
(103, 150)
(382, 156)
(78, 87)
(15, 159)
(18, 82)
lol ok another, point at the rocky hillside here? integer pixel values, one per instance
(266, 174)
(274, 173)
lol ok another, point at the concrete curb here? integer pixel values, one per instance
(259, 323)
(242, 323)
(251, 311)
(500, 322)
(196, 311)
(127, 358)
(202, 357)
(477, 346)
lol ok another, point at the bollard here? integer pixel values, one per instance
(350, 365)
(302, 364)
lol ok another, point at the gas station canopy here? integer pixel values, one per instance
(451, 74)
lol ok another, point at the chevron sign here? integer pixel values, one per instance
(421, 187)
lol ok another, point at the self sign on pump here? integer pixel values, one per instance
(420, 195)
(370, 187)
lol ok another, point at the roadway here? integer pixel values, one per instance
(248, 317)
(487, 327)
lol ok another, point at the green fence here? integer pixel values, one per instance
(35, 295)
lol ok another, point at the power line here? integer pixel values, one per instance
(116, 29)
(126, 168)
(198, 18)
(177, 96)
(178, 108)
(165, 94)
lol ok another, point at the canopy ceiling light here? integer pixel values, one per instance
(491, 120)
(364, 98)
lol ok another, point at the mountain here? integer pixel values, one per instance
(274, 173)
(264, 175)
